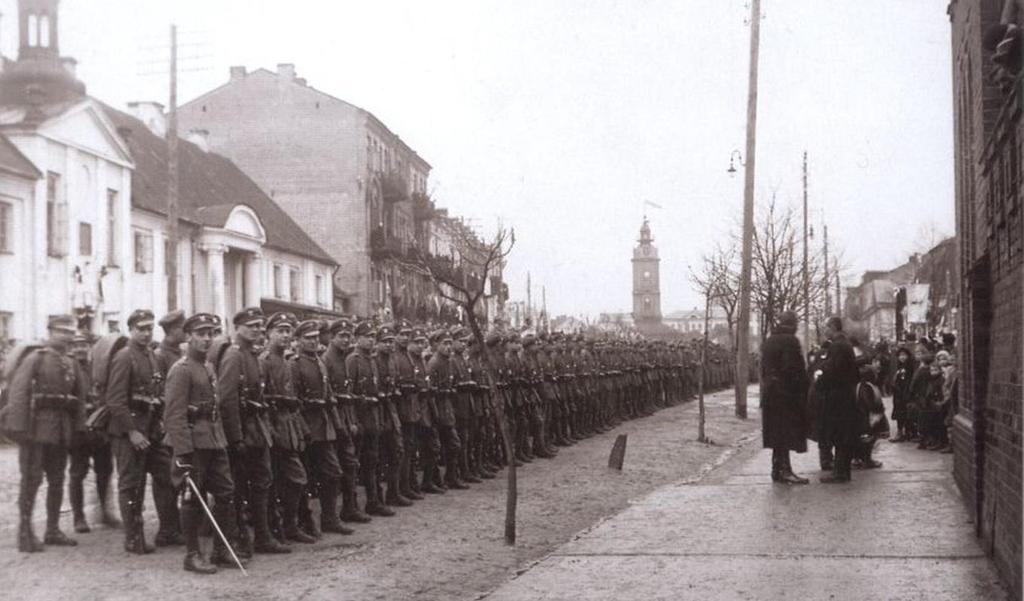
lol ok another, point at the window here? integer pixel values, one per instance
(33, 30)
(84, 239)
(5, 326)
(6, 227)
(56, 217)
(44, 31)
(112, 228)
(143, 252)
(320, 300)
(278, 282)
(295, 284)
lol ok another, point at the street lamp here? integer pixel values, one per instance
(739, 158)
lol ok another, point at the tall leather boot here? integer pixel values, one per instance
(465, 474)
(825, 457)
(350, 511)
(76, 495)
(228, 520)
(166, 503)
(53, 535)
(194, 560)
(290, 497)
(27, 541)
(105, 507)
(374, 506)
(394, 496)
(264, 543)
(131, 511)
(329, 521)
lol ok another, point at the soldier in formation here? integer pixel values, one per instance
(280, 422)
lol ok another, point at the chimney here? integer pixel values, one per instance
(286, 71)
(301, 81)
(151, 113)
(237, 72)
(199, 137)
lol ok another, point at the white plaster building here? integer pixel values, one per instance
(83, 194)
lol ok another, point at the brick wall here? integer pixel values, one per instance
(987, 430)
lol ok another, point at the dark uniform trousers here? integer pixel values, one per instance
(392, 449)
(211, 473)
(36, 459)
(132, 467)
(86, 449)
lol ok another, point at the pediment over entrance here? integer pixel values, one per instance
(244, 220)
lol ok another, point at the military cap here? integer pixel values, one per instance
(364, 328)
(419, 334)
(461, 332)
(342, 324)
(140, 318)
(281, 318)
(62, 322)
(172, 319)
(248, 317)
(404, 327)
(201, 321)
(512, 336)
(492, 338)
(440, 336)
(310, 327)
(386, 332)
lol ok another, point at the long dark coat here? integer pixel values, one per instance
(840, 420)
(784, 418)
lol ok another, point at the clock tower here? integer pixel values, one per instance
(646, 279)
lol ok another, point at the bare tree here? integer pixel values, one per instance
(462, 279)
(777, 282)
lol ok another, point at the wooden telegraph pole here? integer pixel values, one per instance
(828, 279)
(701, 435)
(743, 321)
(807, 277)
(172, 179)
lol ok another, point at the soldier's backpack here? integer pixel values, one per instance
(100, 357)
(14, 358)
(219, 346)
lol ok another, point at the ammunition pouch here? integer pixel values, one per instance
(254, 408)
(308, 404)
(282, 403)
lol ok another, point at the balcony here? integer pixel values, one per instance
(384, 247)
(394, 187)
(422, 207)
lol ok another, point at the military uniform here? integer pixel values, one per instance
(88, 447)
(195, 432)
(134, 397)
(465, 406)
(312, 386)
(392, 449)
(348, 424)
(247, 426)
(442, 387)
(364, 385)
(429, 439)
(407, 382)
(45, 410)
(289, 432)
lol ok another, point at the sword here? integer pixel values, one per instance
(209, 514)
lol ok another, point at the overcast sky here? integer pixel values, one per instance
(562, 117)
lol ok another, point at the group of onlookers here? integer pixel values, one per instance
(836, 397)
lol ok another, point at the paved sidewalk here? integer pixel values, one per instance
(898, 533)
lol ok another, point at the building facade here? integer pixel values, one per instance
(349, 181)
(646, 279)
(987, 102)
(88, 235)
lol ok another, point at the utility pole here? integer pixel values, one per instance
(807, 277)
(839, 303)
(828, 280)
(172, 179)
(743, 321)
(544, 305)
(529, 301)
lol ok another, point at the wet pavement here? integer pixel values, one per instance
(897, 533)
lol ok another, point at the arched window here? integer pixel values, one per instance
(44, 31)
(33, 30)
